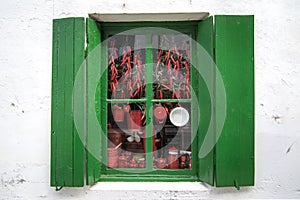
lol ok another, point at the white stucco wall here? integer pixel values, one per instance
(25, 82)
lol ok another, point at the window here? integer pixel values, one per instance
(148, 106)
(146, 87)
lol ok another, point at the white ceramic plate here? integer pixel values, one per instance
(179, 116)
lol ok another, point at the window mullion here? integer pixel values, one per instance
(149, 111)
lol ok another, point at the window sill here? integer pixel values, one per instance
(151, 186)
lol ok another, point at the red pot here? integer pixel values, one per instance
(161, 163)
(112, 161)
(173, 158)
(118, 113)
(160, 114)
(133, 163)
(123, 161)
(115, 136)
(142, 163)
(112, 152)
(134, 121)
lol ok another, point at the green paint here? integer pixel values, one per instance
(235, 61)
(67, 150)
(104, 105)
(149, 106)
(205, 100)
(93, 102)
(125, 100)
(171, 100)
(79, 99)
(151, 178)
(234, 153)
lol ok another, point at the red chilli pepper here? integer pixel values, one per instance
(124, 59)
(167, 57)
(177, 94)
(128, 84)
(125, 77)
(136, 92)
(187, 67)
(160, 53)
(158, 62)
(167, 110)
(138, 76)
(128, 64)
(169, 65)
(134, 83)
(112, 86)
(187, 92)
(180, 58)
(174, 62)
(114, 72)
(177, 68)
(187, 79)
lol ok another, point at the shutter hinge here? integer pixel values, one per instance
(58, 188)
(236, 184)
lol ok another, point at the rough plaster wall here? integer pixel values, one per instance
(25, 77)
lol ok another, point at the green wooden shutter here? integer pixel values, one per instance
(205, 95)
(235, 62)
(93, 102)
(67, 149)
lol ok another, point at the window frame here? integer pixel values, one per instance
(112, 28)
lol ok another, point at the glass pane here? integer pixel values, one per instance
(173, 140)
(126, 67)
(126, 129)
(171, 71)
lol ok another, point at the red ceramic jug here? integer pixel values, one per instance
(134, 121)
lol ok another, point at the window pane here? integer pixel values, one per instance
(171, 71)
(126, 129)
(126, 67)
(173, 140)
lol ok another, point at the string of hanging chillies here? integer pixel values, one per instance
(126, 72)
(172, 72)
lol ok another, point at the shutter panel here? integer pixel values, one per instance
(205, 94)
(67, 149)
(93, 101)
(235, 62)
